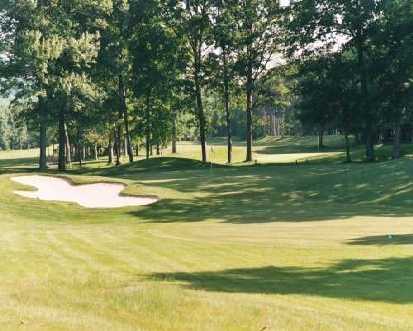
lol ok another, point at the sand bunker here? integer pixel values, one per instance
(102, 195)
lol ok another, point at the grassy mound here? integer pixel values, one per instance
(159, 164)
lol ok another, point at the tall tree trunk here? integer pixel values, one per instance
(110, 148)
(84, 153)
(124, 113)
(226, 106)
(148, 127)
(174, 137)
(78, 147)
(43, 135)
(370, 140)
(249, 114)
(199, 105)
(396, 141)
(118, 144)
(68, 147)
(62, 141)
(158, 149)
(197, 54)
(95, 152)
(364, 104)
(321, 138)
(348, 152)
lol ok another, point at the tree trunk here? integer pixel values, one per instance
(110, 149)
(396, 142)
(79, 154)
(124, 113)
(125, 148)
(118, 144)
(364, 104)
(249, 116)
(174, 138)
(148, 127)
(68, 148)
(348, 152)
(226, 106)
(199, 105)
(321, 138)
(370, 155)
(62, 141)
(158, 149)
(43, 135)
(95, 152)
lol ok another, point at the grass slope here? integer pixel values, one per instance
(302, 247)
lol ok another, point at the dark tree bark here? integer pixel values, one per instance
(118, 144)
(62, 141)
(396, 142)
(348, 152)
(370, 140)
(196, 44)
(200, 109)
(124, 114)
(148, 128)
(249, 115)
(226, 106)
(321, 138)
(78, 154)
(174, 134)
(364, 104)
(110, 149)
(43, 135)
(68, 147)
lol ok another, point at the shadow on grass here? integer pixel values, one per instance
(262, 194)
(386, 280)
(160, 164)
(290, 194)
(9, 164)
(399, 239)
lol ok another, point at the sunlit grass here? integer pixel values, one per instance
(300, 247)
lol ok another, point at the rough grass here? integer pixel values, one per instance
(265, 247)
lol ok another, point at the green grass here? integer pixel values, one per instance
(263, 247)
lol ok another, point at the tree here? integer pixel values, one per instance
(157, 64)
(114, 68)
(330, 25)
(48, 59)
(257, 41)
(221, 62)
(191, 20)
(393, 66)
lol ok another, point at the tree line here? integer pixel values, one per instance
(121, 75)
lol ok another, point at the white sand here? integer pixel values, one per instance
(103, 195)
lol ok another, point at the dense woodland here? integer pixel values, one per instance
(129, 77)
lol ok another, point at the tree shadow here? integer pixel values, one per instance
(291, 194)
(386, 280)
(399, 239)
(11, 164)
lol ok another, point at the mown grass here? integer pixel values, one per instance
(323, 246)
